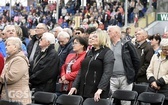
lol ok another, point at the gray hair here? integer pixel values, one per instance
(116, 28)
(49, 37)
(57, 28)
(15, 41)
(63, 34)
(44, 26)
(68, 30)
(8, 27)
(164, 42)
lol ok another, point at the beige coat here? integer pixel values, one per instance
(17, 77)
(158, 68)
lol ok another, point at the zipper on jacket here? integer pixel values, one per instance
(94, 76)
(158, 70)
(88, 69)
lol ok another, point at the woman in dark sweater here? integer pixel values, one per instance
(93, 80)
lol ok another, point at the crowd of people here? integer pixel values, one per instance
(90, 61)
(102, 15)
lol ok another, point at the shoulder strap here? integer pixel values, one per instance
(6, 89)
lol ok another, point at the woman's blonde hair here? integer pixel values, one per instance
(103, 37)
(18, 31)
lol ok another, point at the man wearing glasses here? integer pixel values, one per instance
(79, 32)
(33, 47)
(145, 52)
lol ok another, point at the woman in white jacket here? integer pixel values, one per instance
(157, 72)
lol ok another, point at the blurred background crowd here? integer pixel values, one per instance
(71, 14)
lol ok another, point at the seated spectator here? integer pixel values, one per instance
(16, 73)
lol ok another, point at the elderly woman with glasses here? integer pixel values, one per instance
(72, 63)
(15, 73)
(157, 72)
(93, 80)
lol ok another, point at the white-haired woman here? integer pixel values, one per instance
(16, 73)
(157, 72)
(44, 68)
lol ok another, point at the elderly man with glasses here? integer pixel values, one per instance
(33, 47)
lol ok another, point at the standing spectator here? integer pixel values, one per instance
(25, 36)
(44, 68)
(15, 31)
(1, 63)
(63, 11)
(155, 42)
(2, 45)
(136, 20)
(16, 72)
(93, 80)
(72, 64)
(128, 36)
(165, 35)
(157, 71)
(79, 32)
(145, 52)
(33, 47)
(65, 47)
(126, 63)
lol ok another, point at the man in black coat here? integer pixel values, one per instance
(44, 68)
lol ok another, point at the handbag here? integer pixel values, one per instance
(60, 87)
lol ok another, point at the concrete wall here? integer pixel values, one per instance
(162, 5)
(157, 27)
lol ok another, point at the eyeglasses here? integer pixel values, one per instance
(77, 33)
(39, 28)
(164, 49)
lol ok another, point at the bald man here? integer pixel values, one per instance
(126, 63)
(145, 52)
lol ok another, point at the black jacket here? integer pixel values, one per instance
(44, 70)
(30, 46)
(96, 71)
(145, 52)
(63, 51)
(131, 60)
